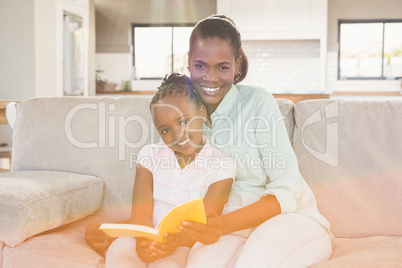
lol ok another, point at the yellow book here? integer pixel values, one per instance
(191, 210)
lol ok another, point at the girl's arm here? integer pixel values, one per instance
(142, 202)
(142, 210)
(214, 201)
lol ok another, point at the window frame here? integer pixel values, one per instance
(383, 21)
(171, 25)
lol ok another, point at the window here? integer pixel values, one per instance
(160, 49)
(370, 49)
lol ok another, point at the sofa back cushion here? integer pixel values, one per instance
(287, 109)
(95, 136)
(350, 153)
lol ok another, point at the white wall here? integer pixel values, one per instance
(92, 45)
(28, 44)
(30, 65)
(17, 54)
(17, 49)
(45, 48)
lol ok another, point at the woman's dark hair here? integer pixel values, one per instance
(223, 28)
(174, 84)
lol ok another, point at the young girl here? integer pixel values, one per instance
(180, 169)
(271, 219)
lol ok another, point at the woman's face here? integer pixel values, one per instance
(212, 68)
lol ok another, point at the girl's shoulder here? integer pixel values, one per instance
(153, 149)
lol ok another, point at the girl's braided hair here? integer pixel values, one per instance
(174, 84)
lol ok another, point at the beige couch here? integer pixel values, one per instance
(73, 157)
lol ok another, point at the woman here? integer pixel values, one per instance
(271, 219)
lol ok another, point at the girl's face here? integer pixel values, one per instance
(212, 68)
(179, 121)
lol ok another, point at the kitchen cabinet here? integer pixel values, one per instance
(277, 19)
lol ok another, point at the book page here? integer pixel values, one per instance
(118, 230)
(192, 211)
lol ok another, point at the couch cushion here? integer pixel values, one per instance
(90, 135)
(377, 251)
(287, 108)
(349, 152)
(85, 135)
(2, 245)
(35, 201)
(62, 247)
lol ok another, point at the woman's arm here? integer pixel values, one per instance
(244, 218)
(217, 195)
(251, 215)
(285, 181)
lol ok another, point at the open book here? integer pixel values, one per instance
(191, 210)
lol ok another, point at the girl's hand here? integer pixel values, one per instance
(204, 233)
(97, 239)
(144, 252)
(164, 248)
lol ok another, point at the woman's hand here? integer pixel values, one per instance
(205, 233)
(97, 239)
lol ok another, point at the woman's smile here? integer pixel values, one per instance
(211, 89)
